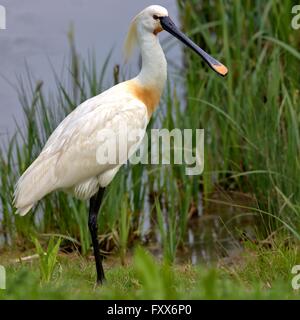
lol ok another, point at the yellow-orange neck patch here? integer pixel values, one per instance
(150, 96)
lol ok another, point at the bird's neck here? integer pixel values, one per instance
(154, 65)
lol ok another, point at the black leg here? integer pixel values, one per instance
(95, 204)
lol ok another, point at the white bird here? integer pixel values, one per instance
(69, 161)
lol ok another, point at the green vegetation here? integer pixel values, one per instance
(251, 118)
(47, 258)
(144, 278)
(251, 122)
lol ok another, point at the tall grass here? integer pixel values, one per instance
(251, 122)
(252, 117)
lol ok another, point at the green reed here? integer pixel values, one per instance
(251, 118)
(251, 122)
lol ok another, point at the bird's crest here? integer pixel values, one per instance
(131, 40)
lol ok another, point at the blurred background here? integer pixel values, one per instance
(37, 35)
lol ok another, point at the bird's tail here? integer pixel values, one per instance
(24, 210)
(33, 185)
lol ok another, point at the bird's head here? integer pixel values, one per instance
(155, 19)
(149, 19)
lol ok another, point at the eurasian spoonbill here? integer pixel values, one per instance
(68, 161)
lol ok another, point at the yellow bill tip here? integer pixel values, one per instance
(221, 69)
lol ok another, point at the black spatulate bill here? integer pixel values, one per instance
(168, 25)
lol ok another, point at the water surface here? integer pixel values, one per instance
(37, 34)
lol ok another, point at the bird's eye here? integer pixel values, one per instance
(155, 17)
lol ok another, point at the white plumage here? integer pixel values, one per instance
(68, 160)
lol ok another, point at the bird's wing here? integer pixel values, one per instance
(79, 139)
(70, 155)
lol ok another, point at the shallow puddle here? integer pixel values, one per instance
(216, 231)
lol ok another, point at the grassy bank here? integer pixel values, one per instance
(258, 274)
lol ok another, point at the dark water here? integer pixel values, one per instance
(217, 230)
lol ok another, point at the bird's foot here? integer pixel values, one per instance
(99, 283)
